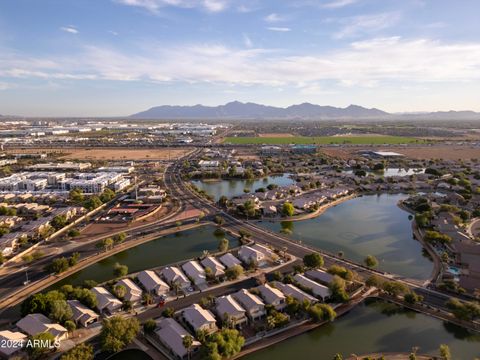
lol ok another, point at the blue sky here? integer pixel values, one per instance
(117, 57)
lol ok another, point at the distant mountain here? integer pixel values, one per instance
(239, 110)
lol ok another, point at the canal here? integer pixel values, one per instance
(367, 225)
(236, 187)
(375, 326)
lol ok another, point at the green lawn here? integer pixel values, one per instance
(367, 140)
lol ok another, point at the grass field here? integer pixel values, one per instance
(359, 140)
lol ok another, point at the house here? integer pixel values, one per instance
(253, 305)
(11, 342)
(171, 334)
(152, 283)
(197, 318)
(106, 302)
(319, 276)
(81, 314)
(228, 309)
(133, 292)
(267, 252)
(173, 275)
(250, 255)
(317, 289)
(229, 260)
(34, 324)
(218, 270)
(272, 296)
(294, 292)
(195, 272)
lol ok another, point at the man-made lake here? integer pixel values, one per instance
(231, 188)
(367, 225)
(164, 250)
(375, 326)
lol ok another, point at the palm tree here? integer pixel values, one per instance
(176, 287)
(147, 298)
(187, 342)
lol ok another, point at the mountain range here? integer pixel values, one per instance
(239, 110)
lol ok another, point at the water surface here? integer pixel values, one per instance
(371, 327)
(236, 187)
(367, 225)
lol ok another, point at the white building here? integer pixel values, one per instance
(252, 304)
(34, 324)
(173, 275)
(198, 318)
(106, 302)
(11, 343)
(229, 260)
(171, 334)
(218, 270)
(227, 308)
(152, 283)
(81, 314)
(272, 296)
(195, 272)
(248, 255)
(133, 292)
(294, 292)
(317, 289)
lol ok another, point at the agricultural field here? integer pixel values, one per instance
(325, 140)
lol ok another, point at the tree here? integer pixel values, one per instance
(223, 200)
(187, 342)
(76, 195)
(394, 288)
(288, 209)
(338, 357)
(234, 272)
(73, 233)
(107, 195)
(321, 312)
(412, 298)
(106, 244)
(58, 265)
(117, 332)
(120, 270)
(92, 202)
(60, 311)
(223, 245)
(120, 291)
(119, 238)
(147, 298)
(313, 260)
(168, 312)
(445, 352)
(337, 290)
(70, 326)
(374, 281)
(149, 326)
(370, 261)
(45, 345)
(224, 344)
(82, 351)
(59, 221)
(341, 271)
(219, 220)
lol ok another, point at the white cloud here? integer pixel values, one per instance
(5, 86)
(279, 29)
(273, 18)
(366, 24)
(247, 41)
(114, 33)
(70, 29)
(362, 64)
(335, 4)
(155, 5)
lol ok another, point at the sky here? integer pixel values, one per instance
(118, 57)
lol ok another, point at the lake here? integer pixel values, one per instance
(366, 225)
(235, 187)
(375, 326)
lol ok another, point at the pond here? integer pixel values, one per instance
(235, 187)
(375, 326)
(367, 225)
